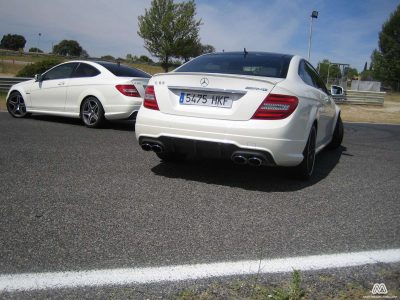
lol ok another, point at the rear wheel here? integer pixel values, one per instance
(337, 136)
(16, 105)
(92, 112)
(306, 168)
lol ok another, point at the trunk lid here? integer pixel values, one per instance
(214, 96)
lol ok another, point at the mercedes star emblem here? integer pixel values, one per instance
(204, 82)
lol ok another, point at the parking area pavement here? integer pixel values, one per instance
(74, 198)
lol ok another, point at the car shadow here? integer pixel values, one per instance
(121, 125)
(226, 173)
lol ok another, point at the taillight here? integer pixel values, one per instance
(276, 107)
(128, 90)
(150, 100)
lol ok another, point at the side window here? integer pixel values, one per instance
(307, 78)
(85, 70)
(60, 72)
(318, 83)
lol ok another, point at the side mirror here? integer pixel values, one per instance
(38, 77)
(337, 90)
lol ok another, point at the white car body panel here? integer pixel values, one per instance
(283, 139)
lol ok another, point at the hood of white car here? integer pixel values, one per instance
(23, 83)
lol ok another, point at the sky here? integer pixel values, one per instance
(346, 31)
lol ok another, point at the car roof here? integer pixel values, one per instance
(251, 53)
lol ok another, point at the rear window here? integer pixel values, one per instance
(253, 64)
(123, 71)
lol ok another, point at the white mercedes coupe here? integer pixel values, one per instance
(92, 91)
(254, 108)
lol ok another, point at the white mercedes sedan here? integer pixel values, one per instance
(92, 91)
(254, 108)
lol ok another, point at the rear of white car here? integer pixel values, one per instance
(257, 118)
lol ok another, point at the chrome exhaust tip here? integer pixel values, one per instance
(239, 159)
(255, 161)
(157, 148)
(146, 147)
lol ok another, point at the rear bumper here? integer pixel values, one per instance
(221, 138)
(119, 112)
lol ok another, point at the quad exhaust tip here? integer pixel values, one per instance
(155, 147)
(239, 159)
(255, 161)
(245, 158)
(146, 147)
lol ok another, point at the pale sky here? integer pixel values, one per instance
(346, 30)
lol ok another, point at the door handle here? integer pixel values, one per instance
(61, 83)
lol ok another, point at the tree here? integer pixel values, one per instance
(169, 29)
(12, 42)
(108, 57)
(84, 54)
(386, 60)
(196, 50)
(324, 66)
(68, 48)
(34, 49)
(145, 59)
(365, 67)
(37, 68)
(351, 73)
(207, 49)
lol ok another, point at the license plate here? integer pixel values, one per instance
(216, 100)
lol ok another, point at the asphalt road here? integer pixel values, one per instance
(74, 198)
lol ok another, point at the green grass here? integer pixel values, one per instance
(249, 290)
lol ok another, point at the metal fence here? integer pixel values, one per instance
(7, 82)
(361, 97)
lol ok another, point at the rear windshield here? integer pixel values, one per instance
(123, 71)
(253, 64)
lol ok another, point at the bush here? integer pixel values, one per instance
(34, 49)
(37, 68)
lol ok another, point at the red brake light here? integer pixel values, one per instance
(150, 100)
(276, 107)
(128, 90)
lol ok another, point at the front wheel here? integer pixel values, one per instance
(306, 167)
(16, 105)
(92, 112)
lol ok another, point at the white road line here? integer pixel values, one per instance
(39, 281)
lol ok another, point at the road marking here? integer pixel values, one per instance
(369, 123)
(56, 280)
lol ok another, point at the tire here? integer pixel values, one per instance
(306, 167)
(92, 112)
(337, 136)
(16, 105)
(171, 156)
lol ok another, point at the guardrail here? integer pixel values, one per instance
(7, 82)
(360, 97)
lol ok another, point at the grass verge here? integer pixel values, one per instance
(318, 286)
(3, 96)
(388, 113)
(248, 290)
